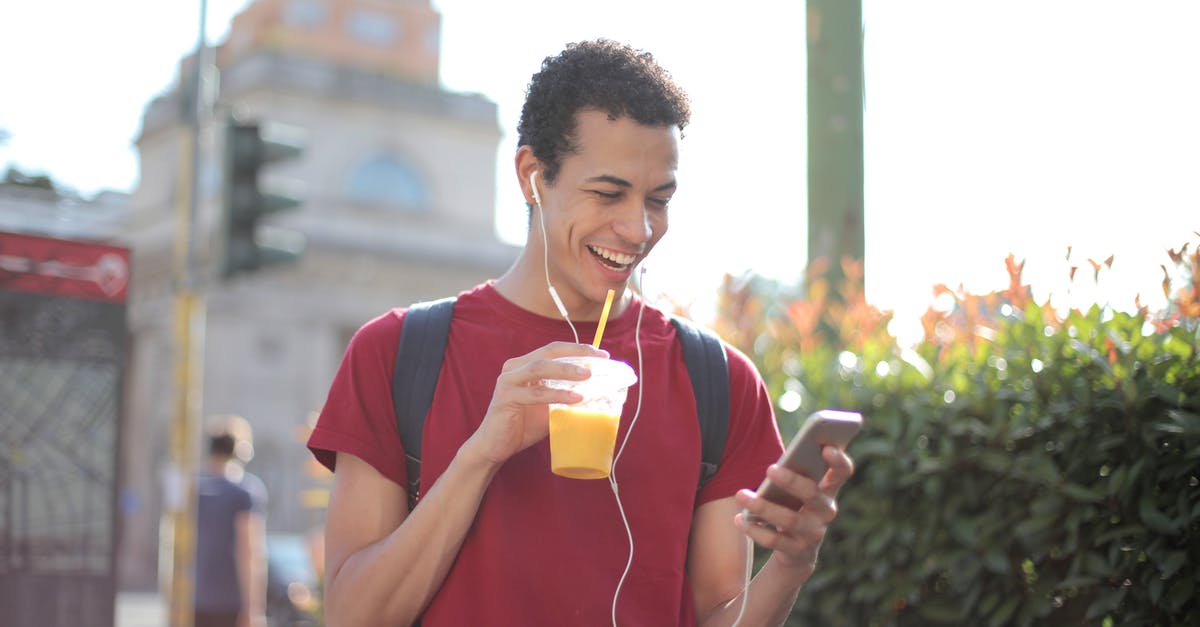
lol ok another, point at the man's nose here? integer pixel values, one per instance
(633, 222)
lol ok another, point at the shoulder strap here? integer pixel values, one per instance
(418, 361)
(704, 355)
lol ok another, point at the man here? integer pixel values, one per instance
(231, 567)
(496, 539)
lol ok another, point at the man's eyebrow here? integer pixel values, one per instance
(608, 178)
(620, 182)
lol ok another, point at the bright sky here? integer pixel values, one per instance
(991, 126)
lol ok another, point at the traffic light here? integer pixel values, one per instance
(249, 148)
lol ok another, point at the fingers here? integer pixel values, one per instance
(521, 379)
(795, 535)
(551, 351)
(841, 467)
(816, 503)
(799, 542)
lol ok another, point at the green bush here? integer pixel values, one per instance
(1018, 467)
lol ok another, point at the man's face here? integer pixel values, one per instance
(608, 207)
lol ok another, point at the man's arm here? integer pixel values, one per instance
(384, 564)
(717, 552)
(252, 567)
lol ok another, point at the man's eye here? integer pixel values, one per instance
(661, 202)
(608, 195)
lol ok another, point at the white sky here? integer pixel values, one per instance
(991, 126)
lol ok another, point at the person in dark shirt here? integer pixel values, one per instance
(230, 541)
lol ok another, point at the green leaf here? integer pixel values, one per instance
(939, 611)
(1181, 591)
(878, 541)
(996, 561)
(995, 461)
(873, 448)
(1188, 423)
(1004, 612)
(964, 531)
(989, 602)
(1173, 562)
(1154, 519)
(1095, 564)
(1155, 589)
(1035, 525)
(1105, 603)
(1116, 480)
(1083, 494)
(1110, 442)
(1119, 532)
(1077, 583)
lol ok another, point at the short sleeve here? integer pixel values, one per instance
(753, 442)
(358, 416)
(257, 492)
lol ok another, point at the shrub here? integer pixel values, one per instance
(1018, 467)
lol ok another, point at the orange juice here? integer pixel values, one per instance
(581, 442)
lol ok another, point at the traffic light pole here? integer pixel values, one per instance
(189, 331)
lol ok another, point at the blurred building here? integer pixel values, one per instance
(48, 212)
(399, 185)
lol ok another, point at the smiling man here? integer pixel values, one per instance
(497, 539)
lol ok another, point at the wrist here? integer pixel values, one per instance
(473, 459)
(793, 569)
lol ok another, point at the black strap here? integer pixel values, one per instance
(423, 339)
(704, 355)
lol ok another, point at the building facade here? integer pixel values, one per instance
(399, 190)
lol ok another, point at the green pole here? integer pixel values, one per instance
(835, 133)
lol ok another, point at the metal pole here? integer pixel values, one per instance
(189, 345)
(835, 134)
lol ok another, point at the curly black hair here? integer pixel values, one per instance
(603, 75)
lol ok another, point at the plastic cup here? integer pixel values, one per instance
(584, 434)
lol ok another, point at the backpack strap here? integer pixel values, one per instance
(418, 362)
(704, 355)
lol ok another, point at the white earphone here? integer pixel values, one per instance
(562, 309)
(537, 198)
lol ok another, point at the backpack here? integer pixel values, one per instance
(419, 360)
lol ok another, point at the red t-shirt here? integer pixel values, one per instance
(546, 550)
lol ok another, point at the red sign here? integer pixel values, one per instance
(56, 267)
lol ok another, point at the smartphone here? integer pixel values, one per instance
(803, 454)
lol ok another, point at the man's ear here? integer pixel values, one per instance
(526, 166)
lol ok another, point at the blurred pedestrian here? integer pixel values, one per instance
(231, 563)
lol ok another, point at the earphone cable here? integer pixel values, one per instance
(612, 474)
(562, 309)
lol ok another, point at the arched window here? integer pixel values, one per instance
(385, 181)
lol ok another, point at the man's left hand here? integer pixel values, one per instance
(795, 535)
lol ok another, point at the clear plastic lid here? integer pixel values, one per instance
(607, 374)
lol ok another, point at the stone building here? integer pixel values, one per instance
(399, 190)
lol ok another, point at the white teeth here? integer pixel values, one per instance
(613, 256)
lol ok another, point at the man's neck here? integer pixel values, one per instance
(525, 285)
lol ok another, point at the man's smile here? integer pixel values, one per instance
(612, 259)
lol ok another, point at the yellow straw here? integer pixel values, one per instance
(603, 319)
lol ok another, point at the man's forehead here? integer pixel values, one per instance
(598, 139)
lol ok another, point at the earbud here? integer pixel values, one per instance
(537, 198)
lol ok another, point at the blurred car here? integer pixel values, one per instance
(293, 587)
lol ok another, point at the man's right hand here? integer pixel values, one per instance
(519, 415)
